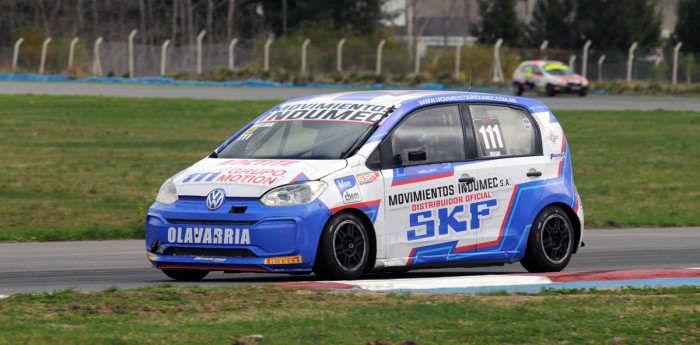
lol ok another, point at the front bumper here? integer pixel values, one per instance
(243, 235)
(570, 88)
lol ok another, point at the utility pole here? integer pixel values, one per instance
(284, 17)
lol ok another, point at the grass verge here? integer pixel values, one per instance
(168, 315)
(89, 167)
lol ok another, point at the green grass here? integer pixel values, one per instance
(89, 167)
(635, 168)
(168, 315)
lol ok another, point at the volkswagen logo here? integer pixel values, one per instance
(215, 199)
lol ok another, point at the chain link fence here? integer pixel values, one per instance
(435, 63)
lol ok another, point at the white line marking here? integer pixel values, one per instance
(447, 282)
(694, 268)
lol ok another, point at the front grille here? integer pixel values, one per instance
(223, 252)
(211, 222)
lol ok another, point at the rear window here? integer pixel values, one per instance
(503, 131)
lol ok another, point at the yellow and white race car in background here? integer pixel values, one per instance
(548, 77)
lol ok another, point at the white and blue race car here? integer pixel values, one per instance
(347, 183)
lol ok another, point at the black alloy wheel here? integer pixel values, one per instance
(344, 248)
(551, 242)
(556, 238)
(350, 245)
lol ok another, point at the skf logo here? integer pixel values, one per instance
(215, 199)
(348, 188)
(447, 220)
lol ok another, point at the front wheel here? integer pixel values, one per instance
(186, 275)
(517, 89)
(344, 248)
(551, 242)
(549, 90)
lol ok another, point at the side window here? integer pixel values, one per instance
(537, 70)
(503, 131)
(436, 132)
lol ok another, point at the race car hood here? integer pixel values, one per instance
(249, 178)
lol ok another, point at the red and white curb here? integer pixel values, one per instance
(519, 282)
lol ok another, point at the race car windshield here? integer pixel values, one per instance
(298, 140)
(558, 70)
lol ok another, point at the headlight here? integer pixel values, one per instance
(167, 193)
(294, 194)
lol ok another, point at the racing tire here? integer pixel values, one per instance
(551, 242)
(549, 90)
(343, 251)
(582, 93)
(517, 89)
(186, 275)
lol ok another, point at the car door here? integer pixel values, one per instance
(511, 167)
(423, 161)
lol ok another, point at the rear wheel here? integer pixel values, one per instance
(344, 248)
(551, 242)
(186, 275)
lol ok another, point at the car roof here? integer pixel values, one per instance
(407, 100)
(542, 62)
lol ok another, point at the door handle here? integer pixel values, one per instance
(534, 173)
(467, 180)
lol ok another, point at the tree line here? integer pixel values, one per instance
(568, 24)
(181, 20)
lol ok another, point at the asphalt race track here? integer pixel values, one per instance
(590, 102)
(97, 265)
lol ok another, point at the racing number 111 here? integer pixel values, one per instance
(493, 140)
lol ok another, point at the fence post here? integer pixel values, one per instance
(303, 54)
(380, 46)
(572, 61)
(131, 52)
(231, 54)
(15, 53)
(416, 65)
(543, 48)
(266, 57)
(600, 67)
(339, 53)
(675, 62)
(200, 37)
(630, 59)
(71, 51)
(497, 70)
(584, 63)
(164, 56)
(458, 59)
(96, 64)
(43, 55)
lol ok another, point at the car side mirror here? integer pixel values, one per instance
(417, 156)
